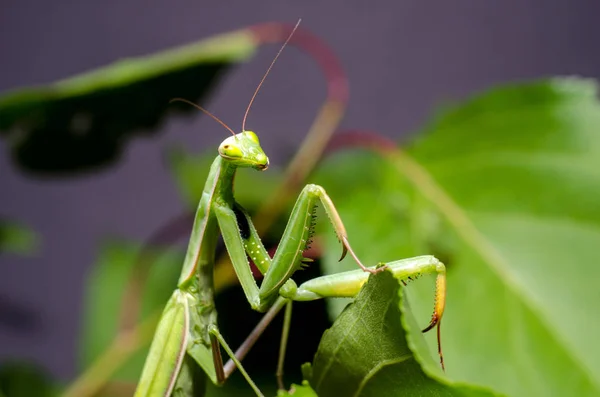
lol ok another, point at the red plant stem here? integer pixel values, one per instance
(361, 139)
(275, 32)
(323, 126)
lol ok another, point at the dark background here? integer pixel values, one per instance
(403, 58)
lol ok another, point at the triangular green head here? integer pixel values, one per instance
(243, 150)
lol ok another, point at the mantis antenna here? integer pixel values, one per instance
(266, 74)
(218, 120)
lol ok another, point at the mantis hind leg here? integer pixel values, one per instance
(245, 347)
(257, 332)
(285, 333)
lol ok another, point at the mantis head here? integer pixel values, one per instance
(244, 150)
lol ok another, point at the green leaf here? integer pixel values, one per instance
(18, 379)
(16, 238)
(365, 352)
(505, 190)
(84, 121)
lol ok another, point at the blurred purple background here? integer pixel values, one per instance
(402, 58)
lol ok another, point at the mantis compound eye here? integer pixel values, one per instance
(230, 150)
(252, 135)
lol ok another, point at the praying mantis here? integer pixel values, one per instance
(188, 335)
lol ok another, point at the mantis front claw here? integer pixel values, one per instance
(435, 319)
(344, 252)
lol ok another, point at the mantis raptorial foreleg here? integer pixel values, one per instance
(237, 230)
(347, 285)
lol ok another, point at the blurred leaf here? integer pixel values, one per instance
(365, 352)
(521, 167)
(85, 121)
(190, 172)
(105, 290)
(16, 238)
(24, 380)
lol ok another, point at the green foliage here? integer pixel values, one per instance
(520, 167)
(84, 121)
(18, 379)
(365, 353)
